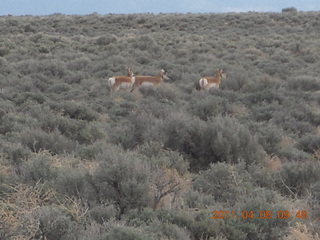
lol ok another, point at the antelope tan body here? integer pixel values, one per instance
(149, 80)
(212, 82)
(122, 82)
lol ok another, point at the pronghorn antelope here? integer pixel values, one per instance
(123, 82)
(149, 80)
(208, 82)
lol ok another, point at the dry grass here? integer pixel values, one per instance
(273, 163)
(17, 208)
(300, 232)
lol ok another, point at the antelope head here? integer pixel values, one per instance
(164, 74)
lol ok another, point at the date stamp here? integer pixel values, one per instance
(303, 214)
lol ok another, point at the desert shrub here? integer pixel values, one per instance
(15, 153)
(38, 168)
(106, 40)
(220, 139)
(303, 83)
(163, 93)
(47, 67)
(27, 97)
(4, 51)
(265, 96)
(81, 131)
(41, 81)
(79, 63)
(92, 132)
(138, 129)
(121, 177)
(171, 160)
(197, 200)
(222, 176)
(123, 134)
(36, 140)
(101, 214)
(295, 178)
(201, 224)
(90, 151)
(291, 153)
(144, 42)
(120, 108)
(47, 119)
(54, 224)
(309, 143)
(79, 111)
(286, 121)
(269, 137)
(7, 123)
(59, 88)
(315, 190)
(289, 10)
(167, 231)
(264, 112)
(124, 233)
(71, 181)
(208, 107)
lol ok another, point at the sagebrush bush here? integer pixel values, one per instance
(37, 140)
(101, 214)
(310, 143)
(79, 111)
(221, 139)
(294, 178)
(54, 224)
(38, 168)
(121, 177)
(71, 182)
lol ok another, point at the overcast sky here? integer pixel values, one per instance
(47, 7)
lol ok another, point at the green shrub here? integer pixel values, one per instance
(38, 168)
(4, 51)
(309, 143)
(303, 83)
(75, 110)
(289, 10)
(106, 40)
(101, 214)
(168, 231)
(295, 178)
(221, 139)
(121, 177)
(60, 88)
(37, 140)
(207, 107)
(54, 224)
(124, 233)
(224, 182)
(71, 182)
(15, 153)
(269, 136)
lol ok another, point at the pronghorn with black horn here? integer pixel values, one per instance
(122, 82)
(209, 82)
(149, 80)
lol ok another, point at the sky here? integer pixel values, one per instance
(84, 7)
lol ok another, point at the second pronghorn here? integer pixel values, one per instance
(209, 82)
(149, 80)
(122, 82)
